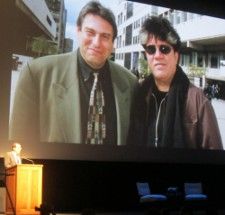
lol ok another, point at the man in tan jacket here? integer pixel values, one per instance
(13, 158)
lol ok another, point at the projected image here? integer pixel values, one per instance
(155, 87)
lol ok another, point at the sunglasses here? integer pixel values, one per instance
(164, 49)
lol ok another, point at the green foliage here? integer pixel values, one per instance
(195, 71)
(42, 46)
(143, 67)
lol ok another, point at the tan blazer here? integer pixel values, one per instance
(11, 159)
(47, 100)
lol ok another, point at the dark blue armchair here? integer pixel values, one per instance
(193, 191)
(145, 194)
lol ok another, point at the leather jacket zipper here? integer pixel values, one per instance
(158, 111)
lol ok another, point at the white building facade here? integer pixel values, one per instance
(203, 38)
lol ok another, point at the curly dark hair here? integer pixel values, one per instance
(162, 29)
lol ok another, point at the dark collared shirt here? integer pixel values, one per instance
(86, 81)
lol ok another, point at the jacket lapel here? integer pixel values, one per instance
(123, 100)
(67, 97)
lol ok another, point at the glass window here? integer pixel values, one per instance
(214, 61)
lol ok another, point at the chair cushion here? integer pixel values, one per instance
(153, 197)
(193, 188)
(195, 197)
(143, 188)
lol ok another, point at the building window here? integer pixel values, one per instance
(120, 19)
(223, 55)
(129, 9)
(128, 39)
(135, 59)
(200, 60)
(183, 16)
(120, 41)
(127, 61)
(177, 18)
(49, 20)
(214, 61)
(191, 61)
(182, 60)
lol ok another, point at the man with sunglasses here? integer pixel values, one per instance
(170, 111)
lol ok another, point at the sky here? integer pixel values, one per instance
(73, 8)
